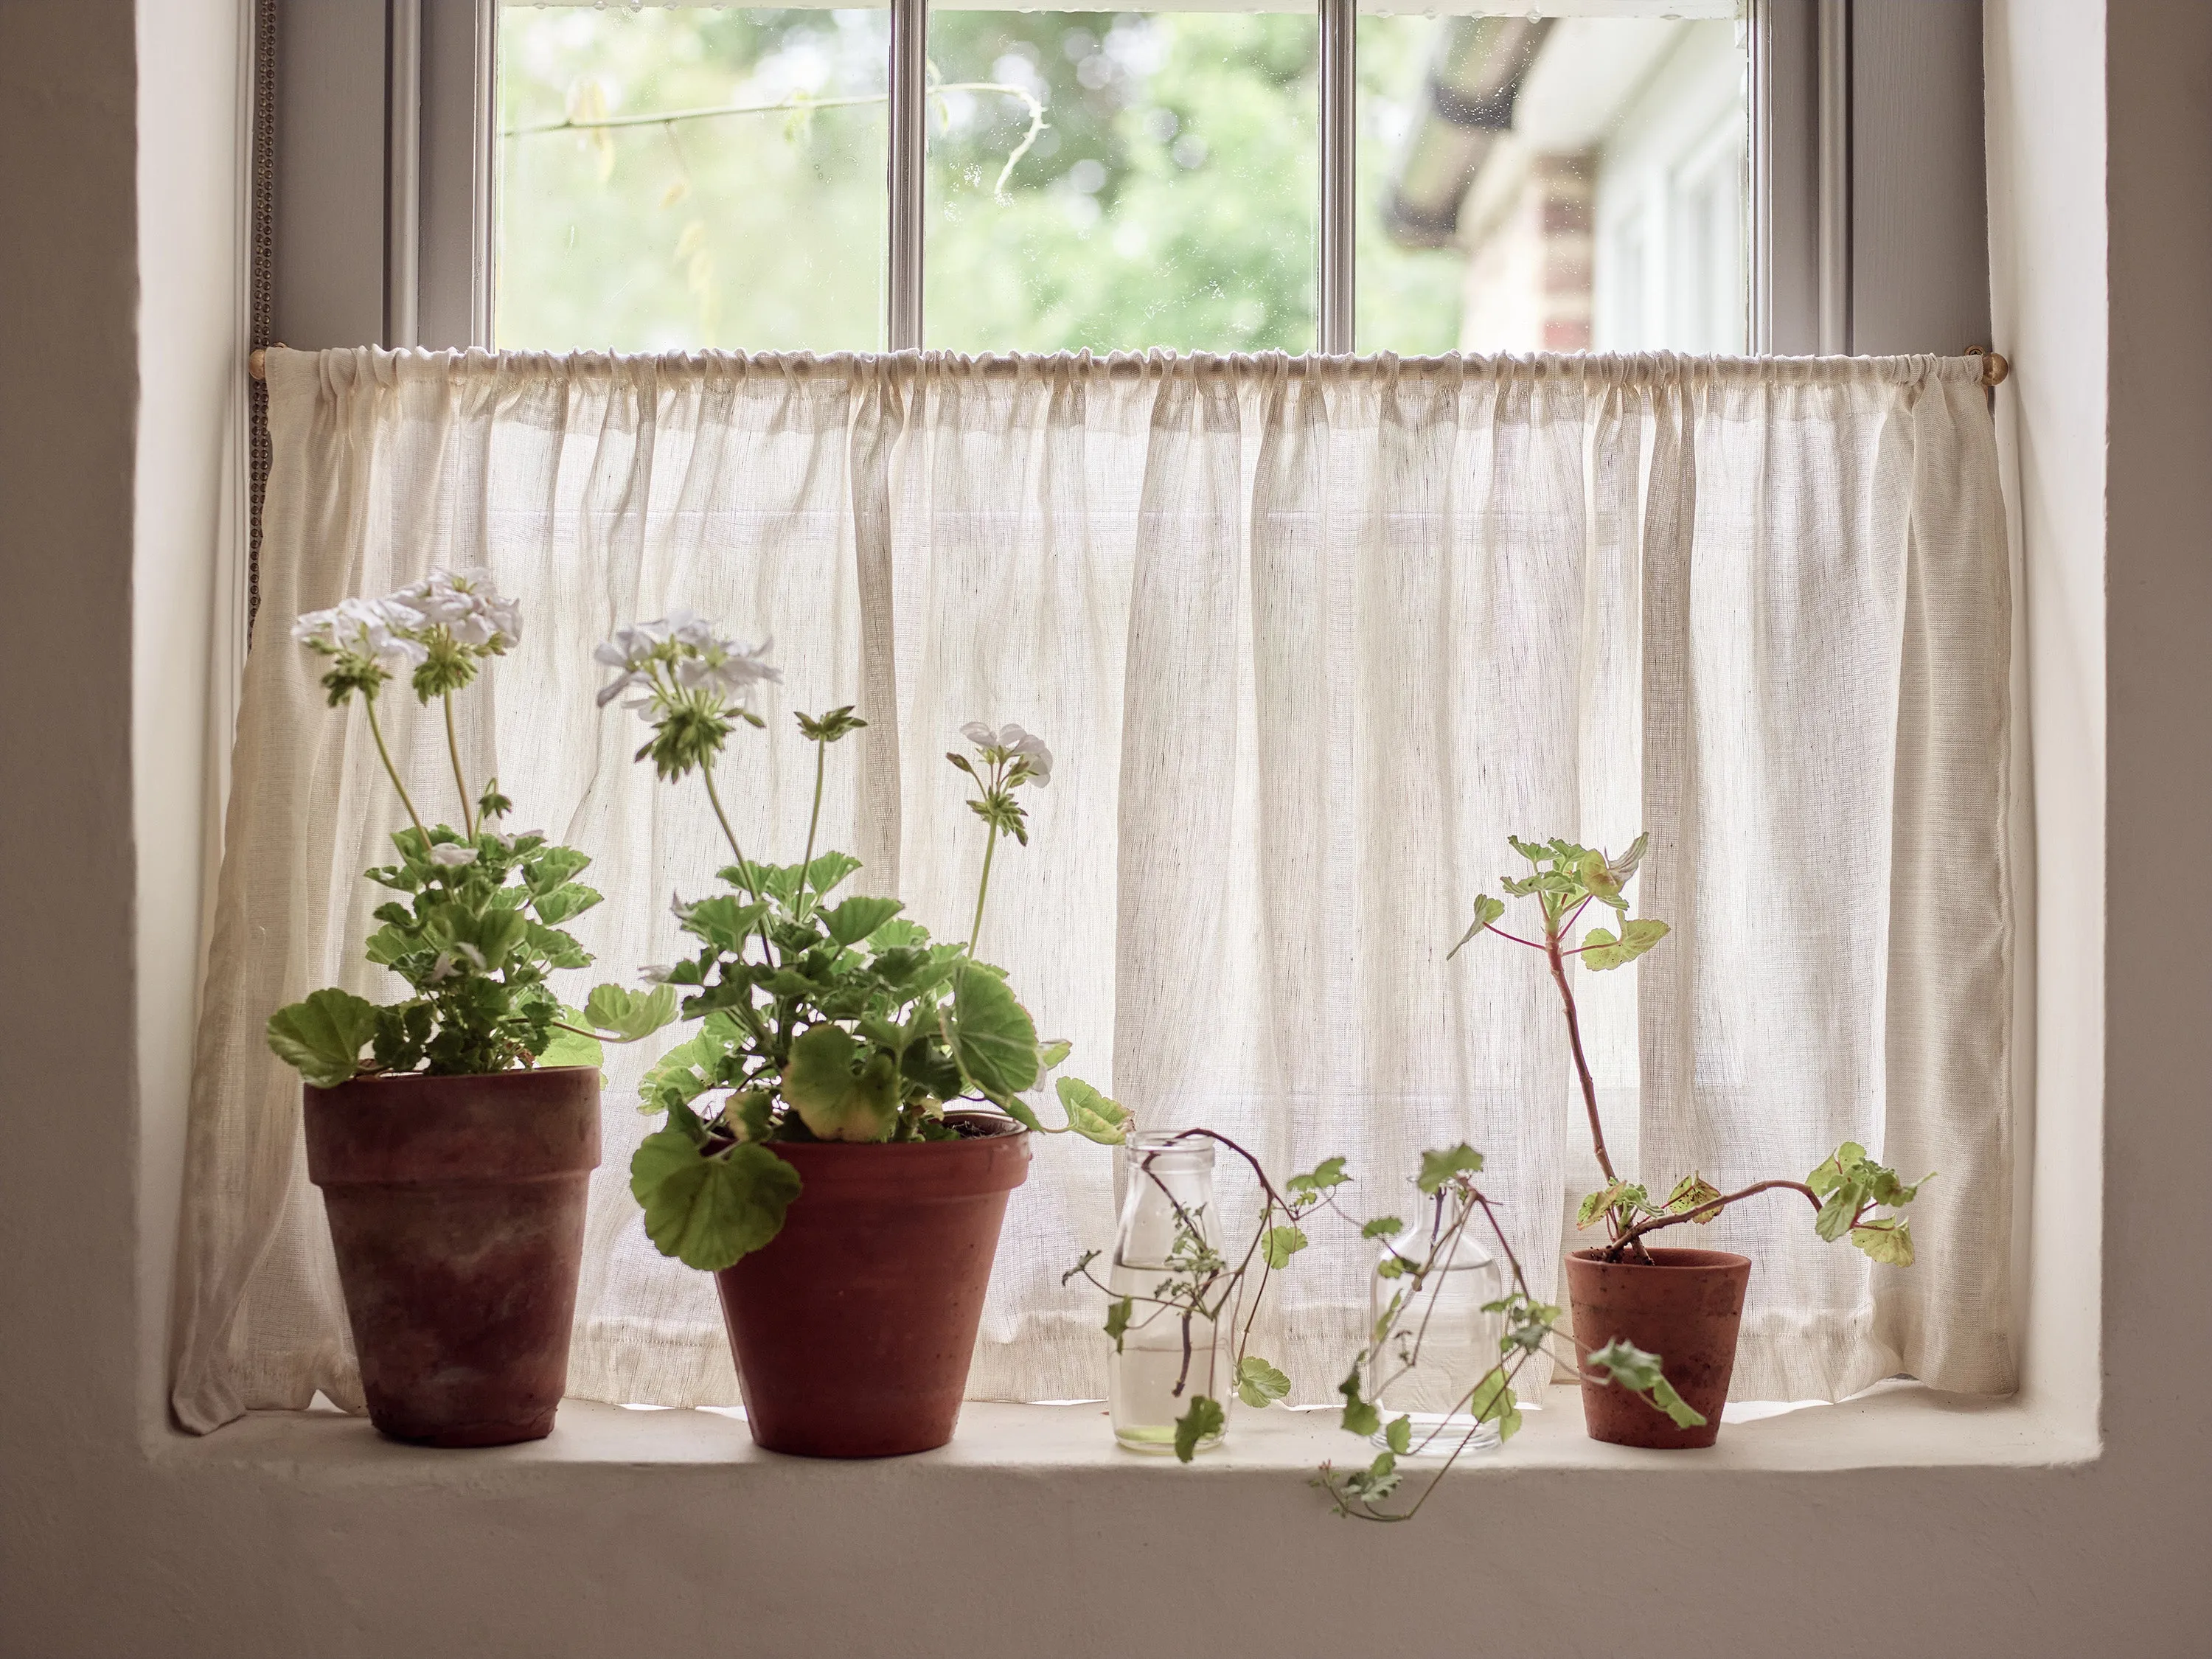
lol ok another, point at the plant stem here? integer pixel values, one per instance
(821, 755)
(982, 887)
(1714, 1206)
(460, 780)
(707, 771)
(376, 731)
(1575, 1037)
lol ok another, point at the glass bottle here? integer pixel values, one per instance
(1425, 1302)
(1166, 1258)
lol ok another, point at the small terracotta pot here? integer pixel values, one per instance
(852, 1328)
(1684, 1307)
(456, 1207)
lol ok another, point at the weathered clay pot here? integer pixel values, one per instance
(852, 1328)
(1684, 1307)
(456, 1207)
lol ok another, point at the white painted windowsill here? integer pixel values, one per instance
(1897, 1426)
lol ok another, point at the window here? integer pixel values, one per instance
(679, 177)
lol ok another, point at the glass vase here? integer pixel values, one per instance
(1166, 1258)
(1431, 1341)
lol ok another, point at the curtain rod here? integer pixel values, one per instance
(1994, 366)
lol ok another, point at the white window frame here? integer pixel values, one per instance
(1868, 204)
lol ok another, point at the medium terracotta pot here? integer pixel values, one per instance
(852, 1328)
(1684, 1307)
(456, 1206)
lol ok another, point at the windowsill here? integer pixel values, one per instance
(1896, 1425)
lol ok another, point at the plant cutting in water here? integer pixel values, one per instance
(1446, 1182)
(1200, 1289)
(819, 1021)
(1846, 1191)
(479, 931)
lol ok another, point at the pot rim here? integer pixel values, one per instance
(1012, 1132)
(1705, 1261)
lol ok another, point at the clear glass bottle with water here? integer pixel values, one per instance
(1426, 1301)
(1167, 1261)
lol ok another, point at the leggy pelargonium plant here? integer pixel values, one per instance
(1846, 1191)
(476, 930)
(819, 1020)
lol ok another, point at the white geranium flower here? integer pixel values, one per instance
(727, 668)
(634, 647)
(448, 855)
(689, 628)
(1016, 744)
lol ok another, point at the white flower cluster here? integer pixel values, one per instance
(379, 630)
(395, 629)
(697, 660)
(1012, 743)
(462, 603)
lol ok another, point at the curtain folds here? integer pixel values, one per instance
(1309, 638)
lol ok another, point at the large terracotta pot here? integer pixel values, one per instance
(1684, 1307)
(852, 1328)
(456, 1207)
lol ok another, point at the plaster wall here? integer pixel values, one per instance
(118, 1537)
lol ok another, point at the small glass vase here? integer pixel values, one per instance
(1433, 1342)
(1166, 1249)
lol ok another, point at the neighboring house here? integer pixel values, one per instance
(1594, 170)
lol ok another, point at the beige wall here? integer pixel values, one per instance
(117, 1539)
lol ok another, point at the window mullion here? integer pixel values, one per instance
(909, 86)
(1338, 97)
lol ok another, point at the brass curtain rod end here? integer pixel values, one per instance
(257, 362)
(1994, 368)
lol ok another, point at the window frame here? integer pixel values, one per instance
(1867, 200)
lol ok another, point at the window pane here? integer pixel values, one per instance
(1553, 182)
(755, 221)
(1167, 198)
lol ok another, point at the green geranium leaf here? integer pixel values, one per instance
(1055, 1053)
(1360, 1416)
(899, 934)
(1377, 1480)
(1664, 1397)
(1837, 1210)
(1437, 1167)
(1887, 1242)
(1487, 911)
(571, 898)
(1625, 1363)
(1597, 1203)
(857, 918)
(1398, 1435)
(1260, 1384)
(1691, 1192)
(687, 1070)
(709, 1211)
(723, 921)
(1383, 1226)
(1602, 951)
(1091, 1114)
(991, 1036)
(1202, 1421)
(624, 1013)
(1324, 1175)
(553, 947)
(1117, 1319)
(842, 1090)
(827, 870)
(1492, 1402)
(322, 1037)
(572, 1048)
(1837, 1168)
(1281, 1244)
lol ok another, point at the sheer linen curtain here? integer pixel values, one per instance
(1309, 638)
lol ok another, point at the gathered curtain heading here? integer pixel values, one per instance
(1309, 638)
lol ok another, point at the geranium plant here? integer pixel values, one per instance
(1852, 1195)
(821, 1018)
(475, 930)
